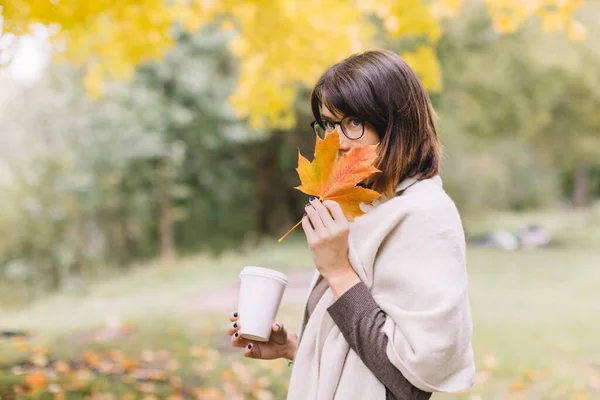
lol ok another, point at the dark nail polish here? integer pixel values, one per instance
(278, 327)
(235, 325)
(311, 198)
(305, 214)
(235, 314)
(236, 334)
(250, 346)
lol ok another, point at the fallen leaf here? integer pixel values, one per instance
(41, 350)
(482, 377)
(227, 375)
(172, 365)
(146, 387)
(530, 376)
(91, 358)
(21, 344)
(62, 367)
(176, 384)
(490, 362)
(197, 351)
(39, 360)
(36, 381)
(579, 397)
(208, 394)
(127, 364)
(54, 388)
(147, 356)
(594, 382)
(264, 395)
(517, 385)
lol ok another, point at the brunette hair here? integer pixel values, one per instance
(380, 88)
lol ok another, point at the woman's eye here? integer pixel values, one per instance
(328, 125)
(355, 122)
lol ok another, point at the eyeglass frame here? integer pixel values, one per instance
(312, 125)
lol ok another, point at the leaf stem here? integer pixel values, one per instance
(290, 231)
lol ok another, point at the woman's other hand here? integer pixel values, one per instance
(281, 344)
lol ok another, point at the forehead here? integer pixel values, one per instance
(325, 112)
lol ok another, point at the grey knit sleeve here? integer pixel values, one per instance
(360, 319)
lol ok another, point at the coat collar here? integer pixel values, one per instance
(408, 182)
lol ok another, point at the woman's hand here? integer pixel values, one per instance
(281, 344)
(327, 231)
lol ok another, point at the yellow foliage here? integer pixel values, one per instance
(93, 80)
(425, 63)
(555, 15)
(280, 43)
(447, 8)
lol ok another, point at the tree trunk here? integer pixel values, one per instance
(273, 211)
(165, 213)
(128, 243)
(580, 185)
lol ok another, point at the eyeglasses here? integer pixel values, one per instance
(352, 127)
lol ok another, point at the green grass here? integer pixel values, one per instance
(150, 291)
(536, 313)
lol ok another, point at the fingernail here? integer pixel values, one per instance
(250, 346)
(235, 314)
(305, 214)
(278, 327)
(307, 204)
(311, 198)
(236, 334)
(235, 325)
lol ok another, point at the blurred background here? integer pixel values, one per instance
(148, 152)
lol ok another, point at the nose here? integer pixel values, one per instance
(345, 144)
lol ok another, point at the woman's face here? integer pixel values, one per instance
(369, 137)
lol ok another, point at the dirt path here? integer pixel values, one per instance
(225, 298)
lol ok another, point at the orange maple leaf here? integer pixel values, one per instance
(330, 177)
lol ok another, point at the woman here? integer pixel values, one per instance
(388, 313)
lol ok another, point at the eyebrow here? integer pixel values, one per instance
(327, 117)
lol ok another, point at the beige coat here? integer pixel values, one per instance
(410, 252)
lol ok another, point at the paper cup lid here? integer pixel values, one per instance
(266, 272)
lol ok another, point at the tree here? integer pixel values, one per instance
(280, 44)
(130, 175)
(532, 98)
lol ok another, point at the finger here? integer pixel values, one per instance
(238, 341)
(234, 316)
(252, 350)
(278, 333)
(232, 328)
(336, 210)
(315, 219)
(323, 212)
(308, 230)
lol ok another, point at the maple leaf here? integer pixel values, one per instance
(330, 177)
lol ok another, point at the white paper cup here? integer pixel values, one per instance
(261, 290)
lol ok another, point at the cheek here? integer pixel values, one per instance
(370, 137)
